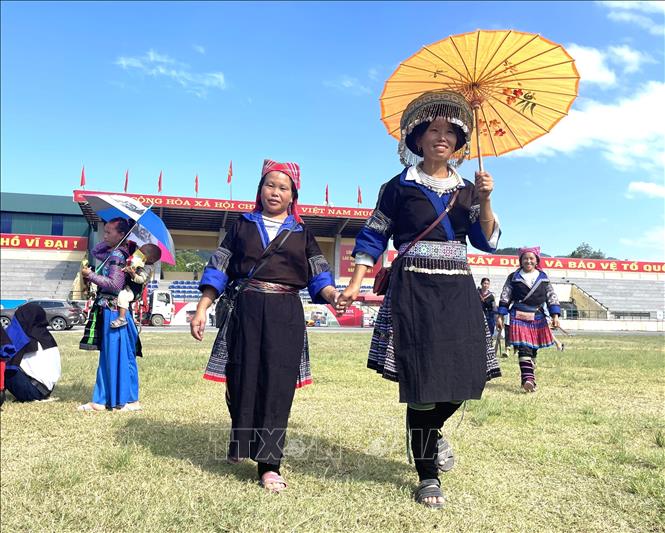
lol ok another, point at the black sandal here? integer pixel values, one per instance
(445, 459)
(429, 488)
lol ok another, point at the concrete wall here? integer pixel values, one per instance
(653, 326)
(584, 302)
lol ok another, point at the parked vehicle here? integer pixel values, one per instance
(60, 314)
(157, 309)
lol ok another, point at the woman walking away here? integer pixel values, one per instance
(489, 303)
(430, 335)
(524, 295)
(263, 355)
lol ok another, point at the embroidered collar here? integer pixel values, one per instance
(541, 275)
(257, 218)
(439, 186)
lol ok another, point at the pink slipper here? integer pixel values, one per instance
(272, 478)
(529, 386)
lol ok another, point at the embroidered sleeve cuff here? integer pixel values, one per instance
(371, 243)
(478, 239)
(554, 309)
(363, 258)
(502, 310)
(317, 283)
(215, 279)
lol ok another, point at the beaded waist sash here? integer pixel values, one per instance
(436, 257)
(269, 287)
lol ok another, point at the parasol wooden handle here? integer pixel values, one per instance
(476, 112)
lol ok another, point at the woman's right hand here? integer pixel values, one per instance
(347, 297)
(198, 324)
(499, 321)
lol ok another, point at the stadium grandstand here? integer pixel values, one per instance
(44, 239)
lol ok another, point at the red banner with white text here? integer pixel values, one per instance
(43, 242)
(242, 206)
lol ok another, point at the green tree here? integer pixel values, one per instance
(508, 251)
(187, 261)
(514, 251)
(586, 251)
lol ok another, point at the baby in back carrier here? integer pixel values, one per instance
(137, 274)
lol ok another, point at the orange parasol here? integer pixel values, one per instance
(519, 85)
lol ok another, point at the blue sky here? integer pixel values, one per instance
(187, 87)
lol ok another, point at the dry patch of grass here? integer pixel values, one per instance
(585, 453)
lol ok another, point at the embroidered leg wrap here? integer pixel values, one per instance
(526, 366)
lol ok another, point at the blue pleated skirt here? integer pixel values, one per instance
(117, 374)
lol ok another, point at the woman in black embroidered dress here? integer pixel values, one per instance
(430, 334)
(489, 303)
(263, 356)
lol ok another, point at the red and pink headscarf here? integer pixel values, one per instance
(535, 250)
(292, 170)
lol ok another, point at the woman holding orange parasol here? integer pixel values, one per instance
(430, 335)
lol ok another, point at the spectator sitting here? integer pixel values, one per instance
(33, 366)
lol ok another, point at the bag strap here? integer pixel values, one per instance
(430, 227)
(263, 260)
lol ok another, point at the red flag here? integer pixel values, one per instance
(360, 196)
(83, 176)
(126, 179)
(196, 184)
(326, 194)
(230, 175)
(159, 183)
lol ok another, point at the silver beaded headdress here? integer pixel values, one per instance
(447, 104)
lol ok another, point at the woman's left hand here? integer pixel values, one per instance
(484, 184)
(85, 272)
(555, 321)
(330, 294)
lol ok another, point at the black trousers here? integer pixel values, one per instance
(23, 387)
(265, 348)
(424, 428)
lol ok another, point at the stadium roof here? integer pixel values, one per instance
(37, 203)
(212, 214)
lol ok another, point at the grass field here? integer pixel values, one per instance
(585, 453)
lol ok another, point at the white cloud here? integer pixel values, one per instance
(638, 13)
(629, 132)
(373, 74)
(650, 189)
(591, 64)
(646, 7)
(129, 62)
(652, 239)
(348, 84)
(153, 57)
(159, 65)
(630, 59)
(199, 49)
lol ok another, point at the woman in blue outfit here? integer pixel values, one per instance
(117, 385)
